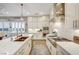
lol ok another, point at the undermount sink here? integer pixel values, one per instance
(58, 39)
(1, 38)
(22, 38)
(62, 39)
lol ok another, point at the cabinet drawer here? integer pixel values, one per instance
(53, 50)
(61, 51)
(20, 52)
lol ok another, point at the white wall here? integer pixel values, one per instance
(37, 22)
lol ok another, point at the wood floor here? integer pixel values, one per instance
(39, 48)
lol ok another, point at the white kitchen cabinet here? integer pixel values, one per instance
(20, 51)
(61, 51)
(51, 48)
(48, 44)
(26, 48)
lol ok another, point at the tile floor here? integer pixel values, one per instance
(39, 48)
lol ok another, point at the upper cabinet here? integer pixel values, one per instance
(60, 9)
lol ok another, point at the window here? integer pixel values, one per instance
(1, 26)
(18, 27)
(12, 27)
(6, 26)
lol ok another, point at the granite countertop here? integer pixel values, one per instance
(58, 39)
(8, 47)
(71, 47)
(53, 40)
(67, 45)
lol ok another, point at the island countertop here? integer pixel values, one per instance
(8, 47)
(71, 47)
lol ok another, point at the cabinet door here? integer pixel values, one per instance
(48, 44)
(53, 50)
(20, 52)
(27, 48)
(61, 51)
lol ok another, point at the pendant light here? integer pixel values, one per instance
(21, 18)
(21, 12)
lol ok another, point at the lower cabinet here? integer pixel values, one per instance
(28, 47)
(25, 49)
(55, 50)
(51, 48)
(20, 52)
(48, 44)
(61, 51)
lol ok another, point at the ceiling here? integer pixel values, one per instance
(29, 9)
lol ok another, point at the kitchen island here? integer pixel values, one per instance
(70, 48)
(58, 46)
(11, 47)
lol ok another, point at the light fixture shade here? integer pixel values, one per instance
(21, 12)
(21, 4)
